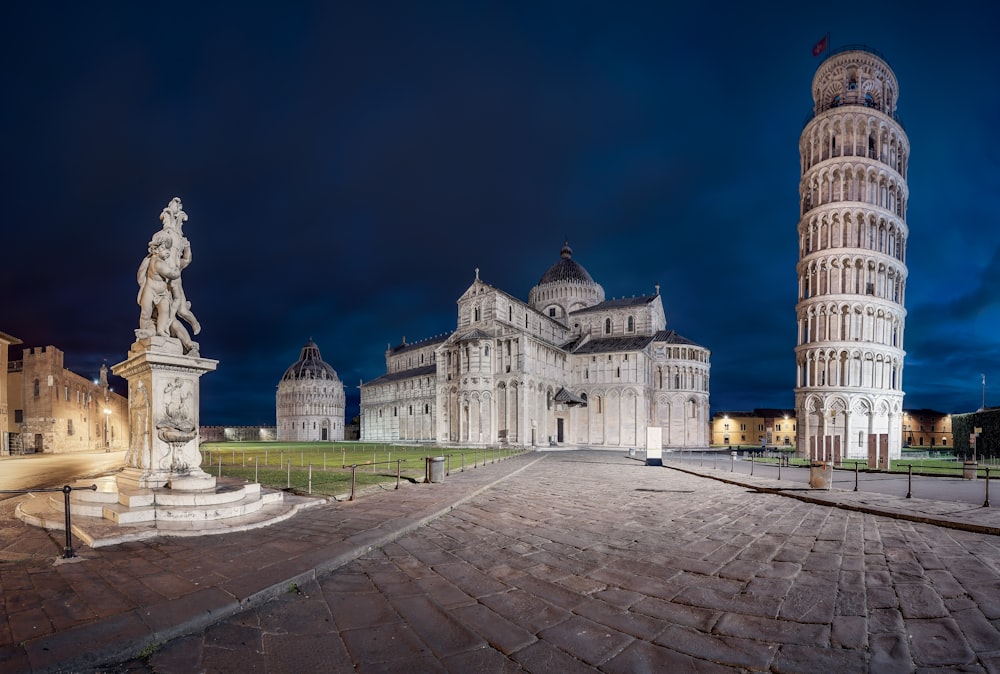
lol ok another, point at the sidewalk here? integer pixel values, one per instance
(111, 604)
(107, 605)
(952, 515)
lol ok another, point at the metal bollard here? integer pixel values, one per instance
(751, 464)
(289, 485)
(354, 470)
(447, 466)
(463, 462)
(256, 470)
(310, 487)
(856, 475)
(909, 480)
(398, 462)
(986, 503)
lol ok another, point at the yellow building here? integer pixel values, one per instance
(927, 428)
(6, 341)
(771, 427)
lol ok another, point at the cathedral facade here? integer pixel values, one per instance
(310, 400)
(567, 367)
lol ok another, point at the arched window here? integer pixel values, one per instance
(476, 313)
(631, 324)
(36, 388)
(607, 326)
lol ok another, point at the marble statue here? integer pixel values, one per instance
(162, 301)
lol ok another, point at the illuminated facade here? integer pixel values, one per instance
(56, 410)
(927, 429)
(770, 427)
(566, 367)
(852, 263)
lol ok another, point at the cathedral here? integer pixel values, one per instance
(567, 367)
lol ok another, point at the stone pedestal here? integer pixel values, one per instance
(163, 396)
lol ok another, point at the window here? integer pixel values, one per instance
(631, 324)
(69, 427)
(725, 427)
(552, 311)
(476, 312)
(427, 408)
(607, 326)
(35, 388)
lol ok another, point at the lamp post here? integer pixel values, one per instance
(107, 417)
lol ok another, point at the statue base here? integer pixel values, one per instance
(164, 400)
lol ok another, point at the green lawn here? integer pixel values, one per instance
(327, 468)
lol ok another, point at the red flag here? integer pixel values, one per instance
(820, 46)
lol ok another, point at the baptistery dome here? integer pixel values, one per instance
(310, 399)
(565, 287)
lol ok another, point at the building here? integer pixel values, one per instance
(762, 426)
(56, 410)
(310, 400)
(566, 367)
(6, 341)
(927, 428)
(852, 263)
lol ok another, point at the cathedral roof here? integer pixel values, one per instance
(310, 366)
(615, 344)
(422, 371)
(618, 303)
(566, 269)
(671, 337)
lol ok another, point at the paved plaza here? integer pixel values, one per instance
(549, 562)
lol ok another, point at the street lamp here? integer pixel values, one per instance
(107, 417)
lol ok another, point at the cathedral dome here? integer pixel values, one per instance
(310, 366)
(566, 287)
(566, 269)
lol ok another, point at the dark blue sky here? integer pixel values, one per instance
(347, 166)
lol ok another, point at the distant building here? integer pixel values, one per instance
(566, 367)
(237, 433)
(927, 428)
(56, 410)
(852, 269)
(762, 426)
(310, 400)
(777, 428)
(6, 341)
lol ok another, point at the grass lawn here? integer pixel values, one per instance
(325, 468)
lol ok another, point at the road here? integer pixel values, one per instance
(36, 471)
(940, 488)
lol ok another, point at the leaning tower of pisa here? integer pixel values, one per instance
(852, 263)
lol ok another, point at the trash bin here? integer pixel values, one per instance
(434, 469)
(821, 474)
(969, 470)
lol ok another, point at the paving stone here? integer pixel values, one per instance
(849, 632)
(918, 600)
(717, 648)
(589, 641)
(641, 657)
(544, 657)
(938, 643)
(795, 659)
(499, 632)
(769, 629)
(890, 653)
(436, 627)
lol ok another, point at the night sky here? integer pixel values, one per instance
(346, 167)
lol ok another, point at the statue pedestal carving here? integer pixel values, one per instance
(163, 386)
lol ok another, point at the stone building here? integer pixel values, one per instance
(6, 341)
(310, 400)
(566, 367)
(763, 426)
(852, 263)
(56, 410)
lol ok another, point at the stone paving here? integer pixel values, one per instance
(589, 561)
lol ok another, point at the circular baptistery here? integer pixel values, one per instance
(852, 272)
(565, 287)
(310, 400)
